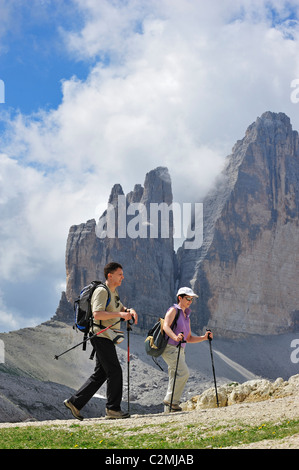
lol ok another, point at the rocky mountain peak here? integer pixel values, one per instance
(157, 186)
(116, 191)
(246, 268)
(149, 262)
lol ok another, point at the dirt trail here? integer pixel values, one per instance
(276, 410)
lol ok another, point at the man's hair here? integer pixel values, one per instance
(110, 268)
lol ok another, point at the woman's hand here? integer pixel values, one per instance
(180, 337)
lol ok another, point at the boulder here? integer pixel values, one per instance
(252, 390)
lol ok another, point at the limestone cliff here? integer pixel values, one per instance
(246, 271)
(149, 263)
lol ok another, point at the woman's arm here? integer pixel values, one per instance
(168, 321)
(198, 339)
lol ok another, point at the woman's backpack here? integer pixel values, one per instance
(157, 339)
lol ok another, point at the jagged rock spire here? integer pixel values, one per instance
(246, 271)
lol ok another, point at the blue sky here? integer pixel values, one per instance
(33, 59)
(100, 92)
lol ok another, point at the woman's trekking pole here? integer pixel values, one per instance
(211, 352)
(87, 339)
(129, 323)
(175, 374)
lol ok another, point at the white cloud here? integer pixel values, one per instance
(194, 79)
(8, 322)
(173, 83)
(12, 319)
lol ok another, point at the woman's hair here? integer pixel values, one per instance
(181, 295)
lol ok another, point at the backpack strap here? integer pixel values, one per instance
(108, 292)
(178, 312)
(108, 299)
(173, 325)
(107, 303)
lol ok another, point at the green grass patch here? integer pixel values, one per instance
(101, 436)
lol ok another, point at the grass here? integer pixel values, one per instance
(101, 436)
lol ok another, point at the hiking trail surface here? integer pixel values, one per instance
(204, 421)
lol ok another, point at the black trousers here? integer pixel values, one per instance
(107, 368)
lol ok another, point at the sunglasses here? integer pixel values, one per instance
(189, 299)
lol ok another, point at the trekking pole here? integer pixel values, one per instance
(175, 374)
(211, 352)
(129, 323)
(87, 339)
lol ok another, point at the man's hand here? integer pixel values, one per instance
(130, 314)
(133, 315)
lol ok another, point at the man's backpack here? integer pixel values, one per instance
(156, 340)
(82, 308)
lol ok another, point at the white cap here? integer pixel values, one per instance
(186, 291)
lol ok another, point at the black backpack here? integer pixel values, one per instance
(82, 308)
(156, 340)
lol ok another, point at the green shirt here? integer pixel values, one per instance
(98, 304)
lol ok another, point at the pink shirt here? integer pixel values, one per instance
(183, 325)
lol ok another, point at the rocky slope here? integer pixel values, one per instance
(33, 385)
(248, 392)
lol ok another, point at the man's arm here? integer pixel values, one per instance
(104, 315)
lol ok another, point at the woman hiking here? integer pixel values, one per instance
(178, 371)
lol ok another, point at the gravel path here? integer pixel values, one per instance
(254, 413)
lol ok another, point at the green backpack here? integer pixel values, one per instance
(157, 339)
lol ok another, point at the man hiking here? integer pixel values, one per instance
(107, 366)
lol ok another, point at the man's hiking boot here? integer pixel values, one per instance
(74, 410)
(112, 414)
(174, 407)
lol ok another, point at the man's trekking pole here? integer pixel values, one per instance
(175, 374)
(211, 352)
(129, 323)
(87, 339)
